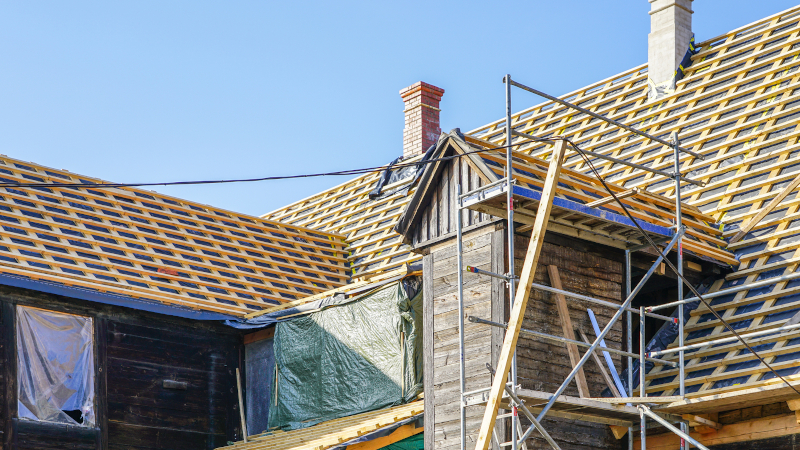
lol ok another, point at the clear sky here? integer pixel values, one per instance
(143, 91)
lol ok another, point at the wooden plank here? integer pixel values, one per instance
(701, 421)
(766, 210)
(623, 400)
(754, 430)
(101, 380)
(569, 332)
(775, 392)
(260, 335)
(609, 199)
(403, 432)
(521, 300)
(331, 433)
(10, 394)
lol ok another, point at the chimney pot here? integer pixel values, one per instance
(422, 117)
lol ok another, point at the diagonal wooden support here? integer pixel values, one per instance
(521, 297)
(569, 332)
(766, 210)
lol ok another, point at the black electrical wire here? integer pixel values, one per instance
(248, 180)
(669, 263)
(419, 163)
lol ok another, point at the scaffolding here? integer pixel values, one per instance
(626, 409)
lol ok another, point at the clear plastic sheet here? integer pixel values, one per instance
(665, 336)
(55, 362)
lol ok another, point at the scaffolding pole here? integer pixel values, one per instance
(679, 224)
(512, 279)
(629, 337)
(514, 326)
(461, 363)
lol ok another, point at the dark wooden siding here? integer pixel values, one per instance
(438, 218)
(140, 358)
(541, 365)
(789, 442)
(135, 352)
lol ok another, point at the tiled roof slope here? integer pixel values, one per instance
(140, 244)
(367, 224)
(739, 105)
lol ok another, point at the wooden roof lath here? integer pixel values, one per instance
(137, 243)
(738, 105)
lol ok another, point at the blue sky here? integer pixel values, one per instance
(145, 91)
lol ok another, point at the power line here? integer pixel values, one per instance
(250, 180)
(420, 163)
(672, 266)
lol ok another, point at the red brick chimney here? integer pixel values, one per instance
(422, 117)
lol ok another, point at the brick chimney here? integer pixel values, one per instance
(670, 33)
(422, 117)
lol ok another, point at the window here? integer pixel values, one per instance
(55, 366)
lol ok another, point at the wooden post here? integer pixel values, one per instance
(794, 405)
(241, 405)
(521, 297)
(569, 332)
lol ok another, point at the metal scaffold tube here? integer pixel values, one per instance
(508, 364)
(461, 367)
(608, 327)
(570, 341)
(645, 411)
(783, 329)
(679, 225)
(602, 117)
(511, 275)
(570, 295)
(629, 337)
(724, 292)
(642, 392)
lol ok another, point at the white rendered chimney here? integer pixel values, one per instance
(670, 34)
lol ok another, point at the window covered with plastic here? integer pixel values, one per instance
(55, 360)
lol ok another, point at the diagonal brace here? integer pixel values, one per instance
(535, 423)
(645, 411)
(523, 292)
(609, 325)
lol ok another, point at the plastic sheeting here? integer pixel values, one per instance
(393, 175)
(360, 356)
(416, 442)
(264, 320)
(260, 372)
(665, 336)
(55, 359)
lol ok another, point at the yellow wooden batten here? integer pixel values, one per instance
(334, 432)
(137, 243)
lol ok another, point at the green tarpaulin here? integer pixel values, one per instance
(362, 355)
(415, 442)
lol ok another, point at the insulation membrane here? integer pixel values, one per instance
(55, 360)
